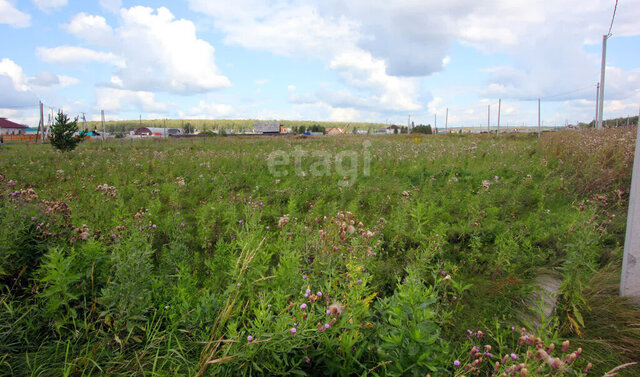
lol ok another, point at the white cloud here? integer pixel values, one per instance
(47, 79)
(111, 5)
(113, 99)
(77, 55)
(48, 5)
(344, 115)
(14, 91)
(11, 16)
(206, 110)
(93, 29)
(362, 71)
(158, 52)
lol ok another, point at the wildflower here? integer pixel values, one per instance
(293, 330)
(303, 306)
(359, 281)
(319, 294)
(238, 284)
(328, 312)
(448, 277)
(307, 359)
(268, 227)
(456, 363)
(336, 308)
(304, 277)
(308, 291)
(514, 356)
(249, 338)
(327, 326)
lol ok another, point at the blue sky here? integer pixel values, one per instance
(361, 60)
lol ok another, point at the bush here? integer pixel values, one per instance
(62, 133)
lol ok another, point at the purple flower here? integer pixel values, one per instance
(306, 295)
(456, 363)
(514, 356)
(308, 291)
(238, 284)
(153, 226)
(268, 227)
(319, 294)
(359, 281)
(250, 338)
(304, 277)
(293, 330)
(327, 326)
(328, 312)
(303, 306)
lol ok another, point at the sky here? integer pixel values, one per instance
(323, 60)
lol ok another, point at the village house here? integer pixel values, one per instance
(335, 131)
(157, 131)
(393, 129)
(8, 127)
(267, 128)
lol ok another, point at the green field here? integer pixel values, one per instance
(351, 256)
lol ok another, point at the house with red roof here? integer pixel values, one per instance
(8, 127)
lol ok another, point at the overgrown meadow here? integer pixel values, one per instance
(349, 256)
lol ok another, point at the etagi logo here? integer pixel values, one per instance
(348, 164)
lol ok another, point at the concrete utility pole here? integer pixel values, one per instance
(102, 118)
(446, 120)
(435, 122)
(489, 119)
(602, 69)
(539, 118)
(499, 105)
(41, 126)
(630, 280)
(595, 121)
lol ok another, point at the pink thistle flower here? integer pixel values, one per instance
(249, 338)
(303, 306)
(293, 330)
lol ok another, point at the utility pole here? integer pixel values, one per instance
(630, 279)
(499, 105)
(595, 122)
(446, 121)
(102, 118)
(602, 69)
(538, 118)
(489, 118)
(435, 122)
(41, 125)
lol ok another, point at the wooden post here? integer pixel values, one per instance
(630, 279)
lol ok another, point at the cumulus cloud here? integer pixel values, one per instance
(412, 38)
(93, 29)
(49, 5)
(158, 52)
(14, 91)
(77, 55)
(206, 110)
(11, 16)
(111, 5)
(47, 79)
(114, 100)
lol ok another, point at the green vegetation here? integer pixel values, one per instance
(235, 125)
(63, 133)
(393, 255)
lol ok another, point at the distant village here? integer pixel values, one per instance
(12, 131)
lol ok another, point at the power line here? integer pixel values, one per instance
(612, 18)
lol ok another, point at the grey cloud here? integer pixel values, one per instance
(10, 98)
